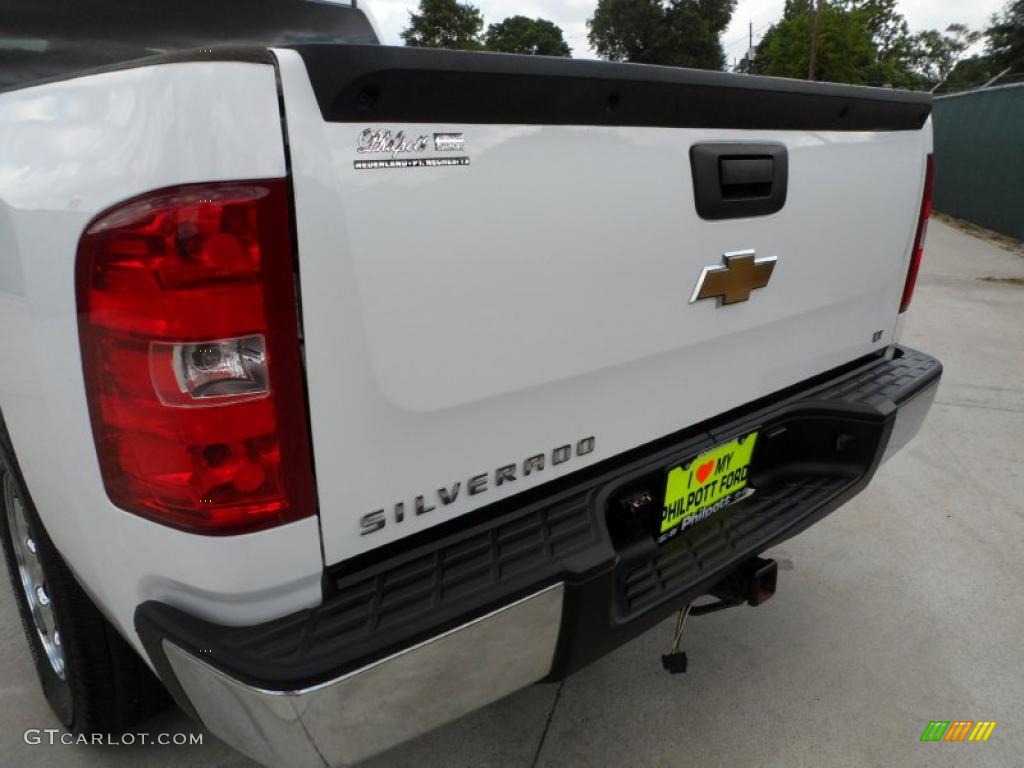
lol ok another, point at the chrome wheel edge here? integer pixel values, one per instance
(31, 576)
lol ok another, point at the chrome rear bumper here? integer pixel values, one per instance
(422, 634)
(351, 718)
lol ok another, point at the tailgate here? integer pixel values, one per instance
(502, 294)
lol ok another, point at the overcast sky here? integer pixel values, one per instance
(571, 16)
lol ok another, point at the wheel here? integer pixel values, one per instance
(93, 680)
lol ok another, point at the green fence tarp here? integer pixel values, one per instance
(979, 157)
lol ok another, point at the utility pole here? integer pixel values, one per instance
(815, 42)
(750, 50)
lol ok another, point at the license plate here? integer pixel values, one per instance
(712, 481)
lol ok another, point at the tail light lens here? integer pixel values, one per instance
(190, 349)
(922, 231)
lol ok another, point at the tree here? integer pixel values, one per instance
(628, 30)
(868, 42)
(863, 41)
(935, 55)
(888, 29)
(681, 33)
(845, 55)
(1004, 50)
(970, 73)
(894, 45)
(519, 34)
(1006, 38)
(796, 8)
(445, 24)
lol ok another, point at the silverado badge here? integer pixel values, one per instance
(733, 281)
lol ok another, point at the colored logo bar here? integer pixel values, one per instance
(958, 730)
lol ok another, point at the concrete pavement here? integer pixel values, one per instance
(902, 607)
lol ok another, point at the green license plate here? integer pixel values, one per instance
(712, 481)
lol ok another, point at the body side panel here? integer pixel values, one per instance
(69, 150)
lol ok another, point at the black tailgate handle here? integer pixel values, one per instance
(737, 180)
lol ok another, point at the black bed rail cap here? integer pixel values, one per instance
(359, 84)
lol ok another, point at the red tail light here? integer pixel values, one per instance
(922, 231)
(190, 350)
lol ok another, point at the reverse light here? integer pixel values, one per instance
(210, 373)
(190, 349)
(922, 231)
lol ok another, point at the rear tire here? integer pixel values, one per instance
(93, 680)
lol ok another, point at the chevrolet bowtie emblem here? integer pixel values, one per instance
(733, 281)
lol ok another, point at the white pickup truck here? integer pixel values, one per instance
(346, 389)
